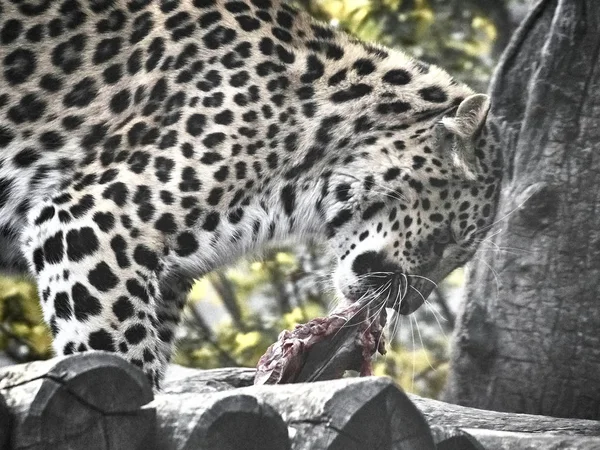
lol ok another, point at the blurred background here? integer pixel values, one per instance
(233, 315)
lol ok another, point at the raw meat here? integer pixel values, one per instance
(325, 347)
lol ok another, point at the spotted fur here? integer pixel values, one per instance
(144, 143)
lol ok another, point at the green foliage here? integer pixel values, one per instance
(457, 35)
(259, 295)
(421, 371)
(22, 332)
(239, 347)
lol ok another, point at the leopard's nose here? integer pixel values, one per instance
(374, 263)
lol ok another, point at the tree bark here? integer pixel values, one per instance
(528, 337)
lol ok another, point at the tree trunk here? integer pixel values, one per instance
(528, 338)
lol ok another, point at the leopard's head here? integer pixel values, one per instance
(417, 209)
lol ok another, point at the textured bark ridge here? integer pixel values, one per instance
(98, 402)
(528, 339)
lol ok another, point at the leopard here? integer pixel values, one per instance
(145, 143)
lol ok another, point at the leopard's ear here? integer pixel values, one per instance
(470, 117)
(466, 126)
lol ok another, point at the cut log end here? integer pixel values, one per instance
(241, 421)
(91, 400)
(376, 414)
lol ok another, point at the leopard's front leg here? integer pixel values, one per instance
(98, 266)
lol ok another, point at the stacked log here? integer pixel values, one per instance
(91, 401)
(97, 401)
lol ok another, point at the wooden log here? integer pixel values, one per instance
(454, 427)
(89, 401)
(451, 416)
(462, 428)
(181, 380)
(454, 439)
(352, 413)
(98, 401)
(218, 420)
(5, 424)
(504, 440)
(193, 415)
